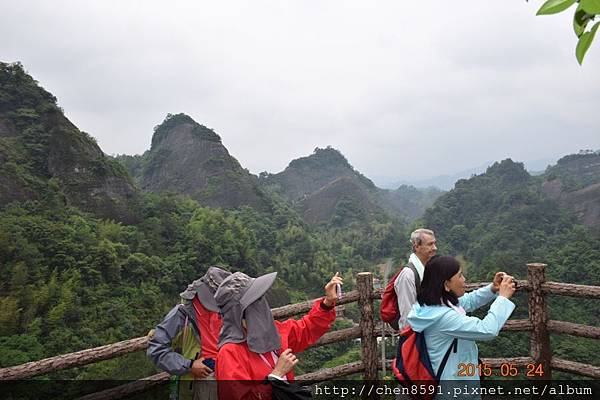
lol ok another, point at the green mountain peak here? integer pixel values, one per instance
(172, 121)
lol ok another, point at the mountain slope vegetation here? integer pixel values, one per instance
(42, 153)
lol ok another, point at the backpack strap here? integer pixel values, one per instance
(453, 348)
(417, 277)
(185, 330)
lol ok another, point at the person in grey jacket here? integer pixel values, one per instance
(185, 342)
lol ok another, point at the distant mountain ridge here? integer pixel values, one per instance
(446, 182)
(324, 184)
(186, 157)
(305, 175)
(321, 183)
(43, 154)
(443, 182)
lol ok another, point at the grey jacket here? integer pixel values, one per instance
(160, 348)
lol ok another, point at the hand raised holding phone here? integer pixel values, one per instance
(332, 293)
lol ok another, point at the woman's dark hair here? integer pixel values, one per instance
(438, 270)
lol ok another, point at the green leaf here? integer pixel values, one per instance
(584, 43)
(580, 21)
(555, 6)
(591, 6)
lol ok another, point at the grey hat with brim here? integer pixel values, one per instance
(257, 289)
(242, 297)
(239, 288)
(207, 298)
(206, 287)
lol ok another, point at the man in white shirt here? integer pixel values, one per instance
(424, 247)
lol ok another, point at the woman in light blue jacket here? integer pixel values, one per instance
(440, 313)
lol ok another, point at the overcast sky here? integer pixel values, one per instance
(401, 88)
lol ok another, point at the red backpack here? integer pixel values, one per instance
(388, 310)
(412, 366)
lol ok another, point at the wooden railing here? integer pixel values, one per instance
(368, 331)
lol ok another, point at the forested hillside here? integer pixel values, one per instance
(42, 153)
(76, 281)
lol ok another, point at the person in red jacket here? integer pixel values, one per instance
(252, 346)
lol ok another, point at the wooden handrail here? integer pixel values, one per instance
(574, 329)
(577, 368)
(522, 285)
(517, 325)
(113, 350)
(291, 310)
(570, 289)
(71, 360)
(335, 372)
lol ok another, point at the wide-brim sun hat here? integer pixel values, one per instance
(241, 297)
(258, 287)
(243, 289)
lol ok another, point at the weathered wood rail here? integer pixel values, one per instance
(368, 331)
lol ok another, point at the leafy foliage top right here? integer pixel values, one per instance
(586, 12)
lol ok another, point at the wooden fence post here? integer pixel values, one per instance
(367, 325)
(540, 339)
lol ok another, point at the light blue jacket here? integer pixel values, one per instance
(441, 324)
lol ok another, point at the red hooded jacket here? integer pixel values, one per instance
(210, 325)
(235, 361)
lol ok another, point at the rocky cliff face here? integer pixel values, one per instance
(189, 158)
(41, 151)
(575, 183)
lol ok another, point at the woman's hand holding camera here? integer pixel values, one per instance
(497, 281)
(507, 286)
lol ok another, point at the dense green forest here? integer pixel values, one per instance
(77, 281)
(89, 258)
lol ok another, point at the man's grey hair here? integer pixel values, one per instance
(416, 238)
